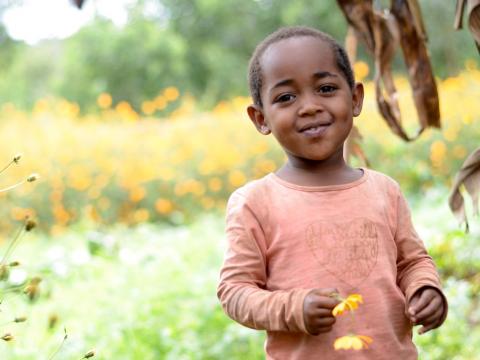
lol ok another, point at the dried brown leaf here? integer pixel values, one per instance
(420, 72)
(353, 147)
(458, 23)
(351, 44)
(473, 18)
(381, 34)
(469, 177)
(78, 3)
(417, 18)
(473, 13)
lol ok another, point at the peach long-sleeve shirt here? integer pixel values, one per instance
(285, 239)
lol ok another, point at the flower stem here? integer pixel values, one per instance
(7, 166)
(60, 346)
(12, 186)
(354, 321)
(12, 244)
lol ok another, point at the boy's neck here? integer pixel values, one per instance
(306, 172)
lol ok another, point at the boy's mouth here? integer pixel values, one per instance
(315, 129)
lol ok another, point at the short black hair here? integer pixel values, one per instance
(255, 69)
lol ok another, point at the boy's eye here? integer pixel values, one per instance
(326, 89)
(284, 98)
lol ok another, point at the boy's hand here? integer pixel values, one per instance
(426, 308)
(317, 310)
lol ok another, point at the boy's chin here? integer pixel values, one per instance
(308, 158)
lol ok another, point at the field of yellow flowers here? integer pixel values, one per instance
(119, 165)
(110, 284)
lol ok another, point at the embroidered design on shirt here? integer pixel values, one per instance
(347, 250)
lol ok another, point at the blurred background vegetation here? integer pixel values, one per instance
(200, 46)
(139, 133)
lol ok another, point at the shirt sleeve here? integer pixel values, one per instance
(415, 268)
(243, 277)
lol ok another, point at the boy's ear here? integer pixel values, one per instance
(255, 113)
(357, 98)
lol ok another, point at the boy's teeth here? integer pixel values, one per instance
(316, 128)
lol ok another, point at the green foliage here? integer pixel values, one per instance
(223, 33)
(30, 74)
(149, 292)
(9, 49)
(131, 64)
(199, 46)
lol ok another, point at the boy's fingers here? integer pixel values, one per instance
(325, 322)
(323, 312)
(412, 306)
(427, 328)
(423, 330)
(418, 303)
(434, 306)
(326, 298)
(432, 318)
(330, 292)
(326, 303)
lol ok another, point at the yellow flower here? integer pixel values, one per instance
(350, 303)
(361, 70)
(137, 194)
(215, 184)
(163, 206)
(148, 107)
(171, 93)
(237, 178)
(355, 342)
(438, 150)
(104, 100)
(160, 102)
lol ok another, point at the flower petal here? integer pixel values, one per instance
(352, 305)
(357, 344)
(339, 343)
(349, 342)
(356, 298)
(339, 309)
(366, 339)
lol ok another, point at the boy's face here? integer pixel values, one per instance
(307, 103)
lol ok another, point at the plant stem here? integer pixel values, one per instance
(12, 186)
(353, 322)
(60, 346)
(12, 243)
(7, 166)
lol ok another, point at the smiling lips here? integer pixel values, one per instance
(315, 129)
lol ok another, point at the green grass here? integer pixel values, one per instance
(143, 293)
(150, 292)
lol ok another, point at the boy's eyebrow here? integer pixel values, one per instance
(324, 74)
(317, 75)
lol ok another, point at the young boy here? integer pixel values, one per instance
(318, 227)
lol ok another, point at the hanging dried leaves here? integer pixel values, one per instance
(473, 18)
(78, 3)
(352, 147)
(380, 32)
(469, 174)
(469, 177)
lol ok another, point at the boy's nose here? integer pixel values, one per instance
(309, 105)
